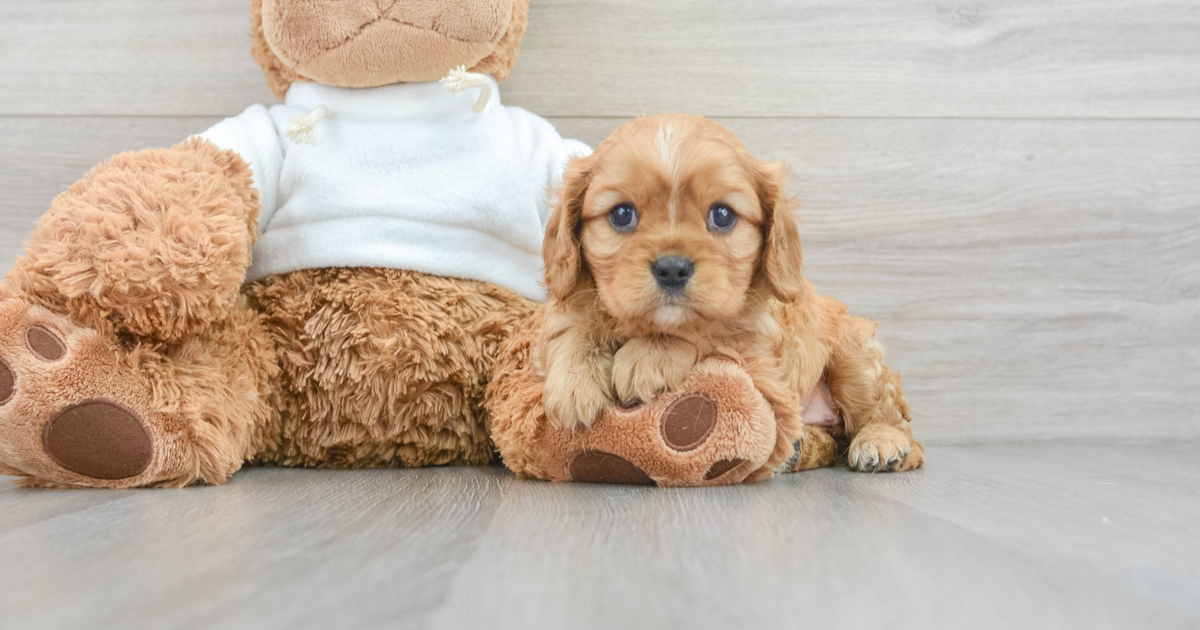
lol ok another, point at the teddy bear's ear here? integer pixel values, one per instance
(504, 57)
(561, 251)
(280, 76)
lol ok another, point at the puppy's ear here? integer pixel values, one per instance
(561, 251)
(782, 261)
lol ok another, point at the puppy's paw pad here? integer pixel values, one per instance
(601, 467)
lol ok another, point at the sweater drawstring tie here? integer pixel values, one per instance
(302, 127)
(459, 81)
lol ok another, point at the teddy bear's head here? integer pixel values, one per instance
(369, 43)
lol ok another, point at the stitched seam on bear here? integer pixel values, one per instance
(383, 18)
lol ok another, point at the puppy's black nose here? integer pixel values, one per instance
(672, 272)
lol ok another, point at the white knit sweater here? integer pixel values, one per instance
(405, 176)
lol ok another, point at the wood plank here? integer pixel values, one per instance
(923, 58)
(284, 548)
(983, 537)
(1031, 279)
(1105, 513)
(127, 57)
(820, 549)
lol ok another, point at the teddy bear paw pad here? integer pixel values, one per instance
(68, 409)
(44, 344)
(688, 422)
(601, 467)
(721, 467)
(99, 439)
(8, 382)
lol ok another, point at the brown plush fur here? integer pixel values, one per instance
(280, 76)
(612, 333)
(383, 367)
(137, 271)
(152, 244)
(361, 43)
(137, 268)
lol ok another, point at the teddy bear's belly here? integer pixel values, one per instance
(383, 367)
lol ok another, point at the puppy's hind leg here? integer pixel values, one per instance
(872, 402)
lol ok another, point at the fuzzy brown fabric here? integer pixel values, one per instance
(279, 75)
(507, 51)
(136, 270)
(383, 367)
(130, 354)
(152, 244)
(200, 400)
(355, 43)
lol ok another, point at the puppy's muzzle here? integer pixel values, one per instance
(672, 273)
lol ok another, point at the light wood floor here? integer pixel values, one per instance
(1037, 535)
(1010, 187)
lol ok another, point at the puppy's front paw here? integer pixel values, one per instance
(884, 448)
(575, 397)
(646, 367)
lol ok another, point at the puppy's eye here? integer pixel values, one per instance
(623, 217)
(721, 218)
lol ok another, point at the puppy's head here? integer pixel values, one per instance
(673, 223)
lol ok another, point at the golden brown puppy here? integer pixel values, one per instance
(670, 243)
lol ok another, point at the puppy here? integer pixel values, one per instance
(671, 243)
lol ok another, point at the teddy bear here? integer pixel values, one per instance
(348, 279)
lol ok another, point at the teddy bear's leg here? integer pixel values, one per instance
(716, 429)
(127, 355)
(872, 403)
(152, 245)
(384, 367)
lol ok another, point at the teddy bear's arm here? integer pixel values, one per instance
(255, 137)
(154, 243)
(546, 154)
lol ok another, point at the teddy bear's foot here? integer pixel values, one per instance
(715, 430)
(72, 415)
